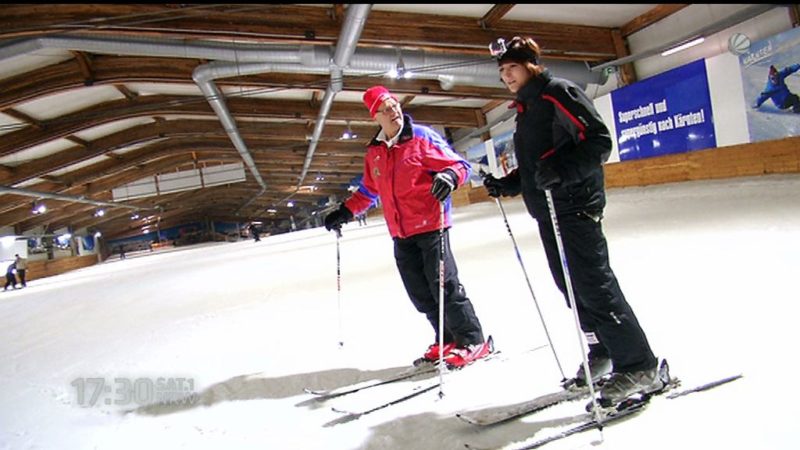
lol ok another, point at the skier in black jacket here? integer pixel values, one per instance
(560, 143)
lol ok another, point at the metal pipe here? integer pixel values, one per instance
(351, 32)
(448, 69)
(67, 198)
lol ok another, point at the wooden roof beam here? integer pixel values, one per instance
(493, 16)
(650, 17)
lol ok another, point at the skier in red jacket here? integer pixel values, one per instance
(411, 168)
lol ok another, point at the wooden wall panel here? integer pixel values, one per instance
(761, 158)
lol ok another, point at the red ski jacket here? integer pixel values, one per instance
(402, 177)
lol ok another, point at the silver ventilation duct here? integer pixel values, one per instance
(66, 198)
(204, 76)
(236, 59)
(449, 69)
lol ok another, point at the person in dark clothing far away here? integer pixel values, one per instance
(22, 267)
(255, 232)
(11, 279)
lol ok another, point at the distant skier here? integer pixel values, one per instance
(254, 231)
(777, 91)
(11, 279)
(22, 266)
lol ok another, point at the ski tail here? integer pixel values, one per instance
(321, 395)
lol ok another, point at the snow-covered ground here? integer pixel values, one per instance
(710, 268)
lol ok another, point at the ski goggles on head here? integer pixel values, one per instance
(514, 50)
(497, 48)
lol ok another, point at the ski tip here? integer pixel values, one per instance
(318, 393)
(341, 420)
(468, 419)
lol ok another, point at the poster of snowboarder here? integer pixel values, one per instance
(771, 82)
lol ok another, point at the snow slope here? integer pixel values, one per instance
(709, 267)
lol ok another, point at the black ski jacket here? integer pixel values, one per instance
(557, 121)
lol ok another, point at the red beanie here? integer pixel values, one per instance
(374, 97)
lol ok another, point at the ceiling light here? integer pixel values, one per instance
(290, 204)
(399, 70)
(683, 46)
(348, 133)
(39, 208)
(100, 213)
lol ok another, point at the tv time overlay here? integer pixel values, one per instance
(140, 391)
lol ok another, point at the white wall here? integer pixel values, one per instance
(727, 100)
(9, 246)
(695, 17)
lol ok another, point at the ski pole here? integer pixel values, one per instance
(530, 288)
(338, 231)
(571, 297)
(441, 299)
(528, 280)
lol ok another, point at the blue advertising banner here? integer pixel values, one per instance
(88, 242)
(665, 114)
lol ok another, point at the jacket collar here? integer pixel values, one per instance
(405, 134)
(534, 87)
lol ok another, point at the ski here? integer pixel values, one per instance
(589, 424)
(627, 409)
(704, 387)
(417, 391)
(323, 395)
(502, 414)
(350, 416)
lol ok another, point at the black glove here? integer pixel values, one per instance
(444, 183)
(500, 186)
(338, 217)
(546, 175)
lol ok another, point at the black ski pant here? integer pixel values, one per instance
(603, 311)
(21, 275)
(11, 280)
(417, 260)
(792, 101)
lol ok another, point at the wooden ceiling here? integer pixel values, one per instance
(162, 131)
